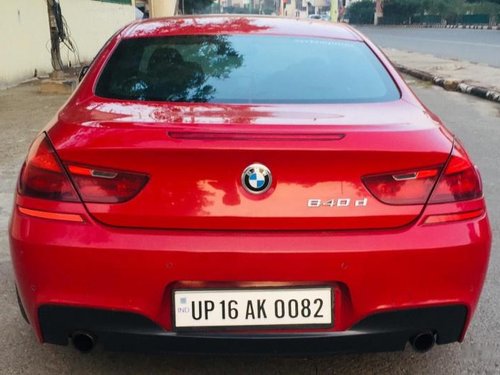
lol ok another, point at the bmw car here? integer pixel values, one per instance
(247, 185)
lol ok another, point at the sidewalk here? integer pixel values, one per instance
(470, 78)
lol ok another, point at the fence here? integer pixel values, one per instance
(474, 19)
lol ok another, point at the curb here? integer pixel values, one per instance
(451, 84)
(438, 26)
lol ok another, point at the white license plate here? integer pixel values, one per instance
(307, 307)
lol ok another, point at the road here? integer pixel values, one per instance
(479, 46)
(477, 122)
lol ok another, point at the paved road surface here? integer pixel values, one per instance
(477, 122)
(480, 46)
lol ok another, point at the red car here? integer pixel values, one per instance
(247, 185)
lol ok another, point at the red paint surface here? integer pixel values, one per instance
(194, 225)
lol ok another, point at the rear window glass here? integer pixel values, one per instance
(245, 69)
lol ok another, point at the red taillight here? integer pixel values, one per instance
(96, 185)
(410, 187)
(51, 215)
(460, 180)
(42, 176)
(459, 216)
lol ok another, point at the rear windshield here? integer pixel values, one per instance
(245, 69)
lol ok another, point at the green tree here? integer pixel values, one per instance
(194, 6)
(483, 1)
(406, 11)
(486, 7)
(401, 11)
(361, 12)
(447, 9)
(484, 11)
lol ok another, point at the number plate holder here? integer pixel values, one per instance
(253, 308)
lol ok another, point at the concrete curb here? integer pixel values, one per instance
(437, 26)
(451, 84)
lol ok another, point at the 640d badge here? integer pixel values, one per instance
(256, 178)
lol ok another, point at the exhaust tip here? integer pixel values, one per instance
(423, 342)
(84, 342)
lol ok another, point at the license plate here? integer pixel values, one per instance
(273, 307)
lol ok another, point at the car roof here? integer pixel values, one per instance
(238, 24)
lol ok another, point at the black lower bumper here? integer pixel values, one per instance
(388, 331)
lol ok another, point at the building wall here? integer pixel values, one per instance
(24, 40)
(240, 3)
(91, 23)
(163, 8)
(295, 8)
(319, 3)
(25, 37)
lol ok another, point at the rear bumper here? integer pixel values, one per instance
(388, 331)
(91, 266)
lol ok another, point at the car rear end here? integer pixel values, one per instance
(137, 225)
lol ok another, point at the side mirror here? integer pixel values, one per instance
(84, 71)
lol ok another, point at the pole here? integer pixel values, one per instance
(55, 52)
(379, 12)
(334, 11)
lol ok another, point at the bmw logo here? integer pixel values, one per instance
(256, 179)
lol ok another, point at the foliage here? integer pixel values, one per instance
(408, 11)
(401, 11)
(361, 12)
(490, 7)
(484, 2)
(194, 6)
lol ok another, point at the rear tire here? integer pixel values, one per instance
(21, 307)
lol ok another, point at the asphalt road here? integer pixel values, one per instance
(477, 122)
(479, 46)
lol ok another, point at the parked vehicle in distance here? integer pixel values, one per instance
(247, 185)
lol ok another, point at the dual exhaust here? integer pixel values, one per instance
(84, 341)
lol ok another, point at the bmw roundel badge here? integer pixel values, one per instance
(256, 178)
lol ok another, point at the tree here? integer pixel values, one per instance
(482, 10)
(194, 6)
(482, 1)
(401, 11)
(361, 12)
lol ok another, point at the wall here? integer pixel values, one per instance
(296, 8)
(163, 8)
(91, 23)
(25, 39)
(319, 3)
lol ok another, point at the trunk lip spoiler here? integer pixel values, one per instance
(254, 136)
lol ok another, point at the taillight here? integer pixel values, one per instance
(42, 175)
(460, 180)
(96, 185)
(401, 188)
(458, 216)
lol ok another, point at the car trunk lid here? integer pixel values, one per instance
(195, 156)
